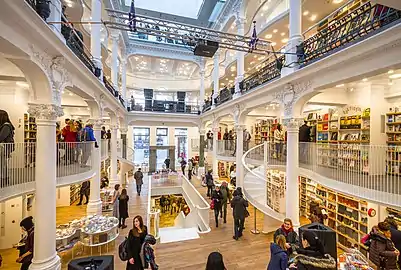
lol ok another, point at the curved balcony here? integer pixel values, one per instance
(17, 167)
(368, 172)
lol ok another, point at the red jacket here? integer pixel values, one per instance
(69, 136)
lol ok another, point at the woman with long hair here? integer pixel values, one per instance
(123, 208)
(26, 253)
(215, 261)
(278, 254)
(136, 238)
(6, 145)
(116, 195)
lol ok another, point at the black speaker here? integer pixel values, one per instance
(206, 48)
(93, 263)
(325, 234)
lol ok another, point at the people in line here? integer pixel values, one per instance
(84, 191)
(382, 251)
(7, 146)
(116, 195)
(215, 261)
(278, 253)
(217, 198)
(138, 176)
(239, 206)
(136, 238)
(312, 256)
(291, 237)
(225, 191)
(123, 208)
(27, 249)
(209, 183)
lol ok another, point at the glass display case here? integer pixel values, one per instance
(99, 230)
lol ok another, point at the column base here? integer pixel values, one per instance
(51, 264)
(236, 95)
(94, 207)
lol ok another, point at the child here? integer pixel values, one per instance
(147, 253)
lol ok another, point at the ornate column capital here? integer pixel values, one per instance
(48, 112)
(96, 122)
(240, 22)
(123, 130)
(239, 128)
(114, 127)
(290, 95)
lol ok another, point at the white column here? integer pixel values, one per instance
(113, 162)
(45, 256)
(216, 75)
(124, 79)
(215, 146)
(295, 37)
(201, 170)
(292, 172)
(55, 16)
(202, 88)
(114, 60)
(95, 35)
(239, 153)
(240, 59)
(95, 204)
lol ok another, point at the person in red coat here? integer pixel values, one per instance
(70, 137)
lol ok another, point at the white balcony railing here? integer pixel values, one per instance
(18, 163)
(104, 148)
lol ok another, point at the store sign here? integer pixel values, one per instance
(351, 110)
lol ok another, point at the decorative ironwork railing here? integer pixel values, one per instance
(358, 24)
(207, 106)
(224, 96)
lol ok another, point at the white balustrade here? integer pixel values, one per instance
(104, 148)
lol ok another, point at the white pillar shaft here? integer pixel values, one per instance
(202, 89)
(239, 153)
(292, 172)
(95, 204)
(113, 161)
(55, 16)
(95, 32)
(216, 75)
(240, 61)
(114, 62)
(214, 157)
(45, 256)
(124, 80)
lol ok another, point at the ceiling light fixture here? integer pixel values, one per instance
(364, 80)
(306, 13)
(395, 76)
(339, 85)
(265, 7)
(337, 1)
(313, 17)
(70, 94)
(273, 43)
(268, 36)
(275, 31)
(390, 71)
(284, 40)
(283, 34)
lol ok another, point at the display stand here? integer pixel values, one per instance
(106, 195)
(154, 222)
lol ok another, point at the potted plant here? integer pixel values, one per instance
(43, 8)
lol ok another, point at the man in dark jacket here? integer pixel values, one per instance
(209, 183)
(239, 205)
(217, 198)
(138, 176)
(84, 191)
(225, 191)
(395, 236)
(304, 138)
(167, 162)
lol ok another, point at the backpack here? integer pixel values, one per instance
(123, 250)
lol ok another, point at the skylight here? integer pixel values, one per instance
(183, 8)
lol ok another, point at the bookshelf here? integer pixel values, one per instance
(275, 190)
(347, 216)
(74, 193)
(264, 130)
(30, 130)
(393, 132)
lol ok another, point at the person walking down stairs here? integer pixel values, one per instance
(139, 181)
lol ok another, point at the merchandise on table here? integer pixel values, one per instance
(64, 231)
(98, 224)
(353, 259)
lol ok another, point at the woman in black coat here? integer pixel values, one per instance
(136, 238)
(123, 208)
(217, 198)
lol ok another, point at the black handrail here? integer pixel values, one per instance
(364, 21)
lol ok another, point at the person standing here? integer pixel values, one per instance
(123, 208)
(225, 138)
(7, 141)
(395, 235)
(382, 251)
(219, 134)
(116, 195)
(209, 183)
(70, 137)
(291, 237)
(239, 205)
(183, 165)
(108, 137)
(225, 191)
(247, 139)
(88, 136)
(167, 163)
(217, 198)
(84, 191)
(103, 133)
(278, 254)
(26, 255)
(215, 261)
(139, 181)
(136, 238)
(190, 167)
(304, 138)
(278, 141)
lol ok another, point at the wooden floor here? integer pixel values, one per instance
(250, 252)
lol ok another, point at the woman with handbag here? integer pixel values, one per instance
(136, 238)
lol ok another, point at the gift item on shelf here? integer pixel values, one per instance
(106, 195)
(353, 259)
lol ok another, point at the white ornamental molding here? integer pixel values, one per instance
(290, 95)
(239, 128)
(123, 130)
(48, 112)
(140, 47)
(226, 14)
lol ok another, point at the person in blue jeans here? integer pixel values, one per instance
(87, 136)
